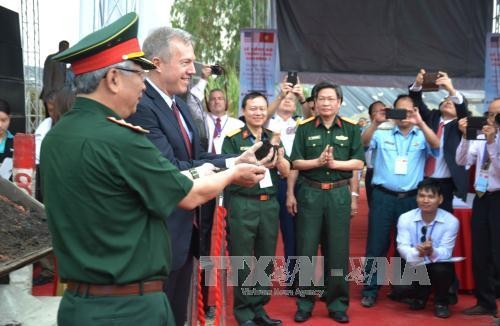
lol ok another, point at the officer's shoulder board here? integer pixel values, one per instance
(126, 124)
(233, 132)
(349, 120)
(306, 120)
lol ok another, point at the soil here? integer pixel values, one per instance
(22, 232)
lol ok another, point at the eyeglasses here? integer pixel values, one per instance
(491, 115)
(424, 233)
(141, 73)
(324, 99)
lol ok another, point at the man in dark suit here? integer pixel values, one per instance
(172, 129)
(453, 179)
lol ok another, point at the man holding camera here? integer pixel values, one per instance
(485, 224)
(253, 213)
(444, 169)
(326, 149)
(398, 161)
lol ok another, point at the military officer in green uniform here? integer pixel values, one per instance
(254, 212)
(326, 149)
(107, 189)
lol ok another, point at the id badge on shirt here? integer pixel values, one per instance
(481, 183)
(401, 165)
(267, 181)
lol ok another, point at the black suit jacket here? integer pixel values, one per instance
(452, 136)
(155, 115)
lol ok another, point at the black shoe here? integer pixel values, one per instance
(265, 320)
(210, 312)
(479, 310)
(368, 302)
(339, 316)
(417, 304)
(452, 298)
(301, 316)
(248, 323)
(441, 311)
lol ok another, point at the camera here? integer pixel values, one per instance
(474, 126)
(292, 78)
(396, 114)
(264, 150)
(217, 69)
(429, 83)
(497, 119)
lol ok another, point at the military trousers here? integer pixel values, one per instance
(253, 232)
(324, 213)
(146, 309)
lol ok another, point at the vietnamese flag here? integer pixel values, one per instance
(266, 37)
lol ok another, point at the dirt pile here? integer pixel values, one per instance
(22, 231)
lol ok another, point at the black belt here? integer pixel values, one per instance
(441, 180)
(261, 197)
(399, 194)
(326, 185)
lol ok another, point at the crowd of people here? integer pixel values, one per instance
(130, 203)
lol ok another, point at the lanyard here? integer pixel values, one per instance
(409, 144)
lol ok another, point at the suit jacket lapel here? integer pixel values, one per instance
(164, 111)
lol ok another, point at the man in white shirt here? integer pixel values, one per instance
(485, 224)
(426, 235)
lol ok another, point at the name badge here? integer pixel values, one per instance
(244, 148)
(481, 183)
(401, 165)
(290, 130)
(341, 137)
(314, 137)
(267, 181)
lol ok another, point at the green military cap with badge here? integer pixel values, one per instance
(112, 44)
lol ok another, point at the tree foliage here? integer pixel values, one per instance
(215, 25)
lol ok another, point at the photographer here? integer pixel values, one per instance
(485, 225)
(444, 169)
(398, 160)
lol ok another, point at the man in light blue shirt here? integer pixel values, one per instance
(426, 237)
(398, 160)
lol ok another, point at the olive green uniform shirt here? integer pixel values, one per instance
(237, 143)
(311, 139)
(107, 190)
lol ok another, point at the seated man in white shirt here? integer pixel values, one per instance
(426, 235)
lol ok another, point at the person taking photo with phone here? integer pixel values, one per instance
(398, 160)
(485, 224)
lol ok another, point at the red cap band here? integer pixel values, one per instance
(106, 58)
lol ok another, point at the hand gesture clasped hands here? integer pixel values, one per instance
(326, 158)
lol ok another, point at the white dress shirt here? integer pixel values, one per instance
(442, 170)
(40, 132)
(442, 230)
(286, 128)
(471, 152)
(227, 123)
